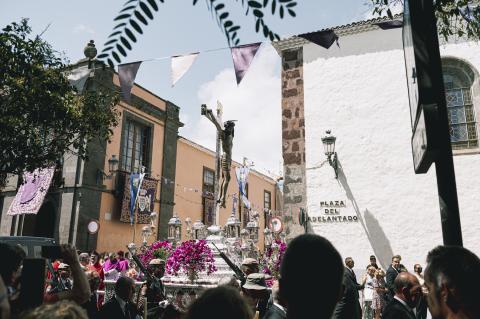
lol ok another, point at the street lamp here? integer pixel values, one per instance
(268, 237)
(252, 229)
(198, 230)
(112, 169)
(174, 229)
(232, 227)
(329, 146)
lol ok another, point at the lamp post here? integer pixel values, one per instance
(112, 169)
(268, 237)
(252, 229)
(198, 230)
(232, 227)
(175, 229)
(329, 146)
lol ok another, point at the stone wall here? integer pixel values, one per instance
(293, 140)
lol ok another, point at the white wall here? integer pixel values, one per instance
(358, 90)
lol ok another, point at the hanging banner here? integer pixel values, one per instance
(32, 192)
(180, 65)
(135, 186)
(78, 77)
(126, 75)
(242, 178)
(242, 58)
(145, 200)
(322, 38)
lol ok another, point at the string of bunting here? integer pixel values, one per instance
(167, 181)
(242, 57)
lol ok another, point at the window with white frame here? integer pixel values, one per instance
(459, 80)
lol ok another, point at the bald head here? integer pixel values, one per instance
(407, 288)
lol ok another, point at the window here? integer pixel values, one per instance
(459, 78)
(208, 196)
(135, 147)
(267, 200)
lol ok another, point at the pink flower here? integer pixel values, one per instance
(191, 256)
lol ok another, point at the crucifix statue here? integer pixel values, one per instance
(225, 135)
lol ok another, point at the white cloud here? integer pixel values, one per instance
(81, 28)
(255, 104)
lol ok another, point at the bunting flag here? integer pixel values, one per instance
(126, 74)
(242, 58)
(180, 65)
(78, 77)
(322, 38)
(31, 193)
(135, 186)
(242, 178)
(391, 24)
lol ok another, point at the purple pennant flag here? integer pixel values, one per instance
(242, 58)
(322, 38)
(126, 74)
(392, 24)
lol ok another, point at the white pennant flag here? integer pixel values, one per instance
(180, 65)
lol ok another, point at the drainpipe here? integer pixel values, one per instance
(73, 218)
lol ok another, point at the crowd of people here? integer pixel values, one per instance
(314, 283)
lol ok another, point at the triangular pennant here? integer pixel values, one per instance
(126, 74)
(242, 58)
(322, 38)
(180, 65)
(78, 77)
(391, 24)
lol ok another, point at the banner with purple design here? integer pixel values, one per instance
(242, 58)
(32, 192)
(322, 38)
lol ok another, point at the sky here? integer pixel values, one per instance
(181, 28)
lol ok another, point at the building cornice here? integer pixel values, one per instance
(295, 42)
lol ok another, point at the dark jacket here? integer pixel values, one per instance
(112, 310)
(348, 307)
(390, 278)
(275, 313)
(395, 310)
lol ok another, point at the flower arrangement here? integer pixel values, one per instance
(192, 257)
(159, 249)
(273, 258)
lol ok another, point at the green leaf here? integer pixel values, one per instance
(110, 63)
(270, 36)
(257, 13)
(237, 41)
(292, 13)
(234, 35)
(107, 49)
(126, 43)
(291, 5)
(121, 50)
(130, 35)
(281, 12)
(122, 16)
(274, 5)
(257, 26)
(254, 4)
(120, 25)
(115, 33)
(219, 6)
(111, 41)
(265, 3)
(140, 17)
(284, 1)
(146, 10)
(153, 4)
(265, 31)
(103, 55)
(227, 24)
(389, 13)
(223, 15)
(277, 37)
(116, 57)
(195, 2)
(128, 8)
(385, 2)
(235, 28)
(136, 26)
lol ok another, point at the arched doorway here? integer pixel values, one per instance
(42, 224)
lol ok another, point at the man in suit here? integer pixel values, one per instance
(452, 279)
(407, 295)
(392, 273)
(349, 307)
(121, 306)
